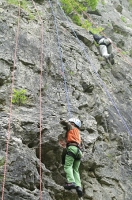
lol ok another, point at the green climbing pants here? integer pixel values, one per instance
(71, 166)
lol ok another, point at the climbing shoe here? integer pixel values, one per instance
(111, 59)
(79, 191)
(69, 186)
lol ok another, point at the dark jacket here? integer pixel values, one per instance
(97, 38)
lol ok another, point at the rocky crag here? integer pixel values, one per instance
(98, 93)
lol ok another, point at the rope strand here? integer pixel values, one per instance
(10, 113)
(62, 65)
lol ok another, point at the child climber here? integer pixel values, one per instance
(73, 155)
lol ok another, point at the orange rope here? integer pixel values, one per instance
(40, 152)
(124, 57)
(40, 98)
(10, 113)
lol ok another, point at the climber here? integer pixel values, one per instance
(105, 47)
(73, 154)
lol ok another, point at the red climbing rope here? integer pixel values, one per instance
(40, 99)
(40, 143)
(90, 19)
(10, 112)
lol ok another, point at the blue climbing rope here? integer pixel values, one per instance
(95, 71)
(62, 65)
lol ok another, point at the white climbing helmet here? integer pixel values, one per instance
(75, 121)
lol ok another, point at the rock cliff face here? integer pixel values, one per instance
(88, 88)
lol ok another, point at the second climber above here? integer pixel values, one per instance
(105, 47)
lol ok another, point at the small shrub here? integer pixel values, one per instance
(103, 2)
(109, 25)
(71, 73)
(76, 19)
(2, 161)
(130, 2)
(124, 52)
(130, 53)
(91, 3)
(96, 30)
(67, 7)
(19, 97)
(86, 24)
(13, 2)
(75, 8)
(123, 19)
(130, 25)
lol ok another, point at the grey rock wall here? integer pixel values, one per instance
(99, 94)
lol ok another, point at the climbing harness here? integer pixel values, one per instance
(11, 96)
(96, 73)
(75, 156)
(65, 152)
(102, 43)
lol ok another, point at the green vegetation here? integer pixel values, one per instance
(76, 19)
(71, 73)
(45, 87)
(103, 2)
(109, 25)
(130, 25)
(110, 156)
(75, 8)
(124, 52)
(78, 5)
(123, 19)
(86, 24)
(19, 97)
(24, 4)
(13, 2)
(130, 2)
(130, 53)
(96, 30)
(2, 161)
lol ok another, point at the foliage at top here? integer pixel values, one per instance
(24, 4)
(79, 5)
(91, 3)
(75, 8)
(130, 2)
